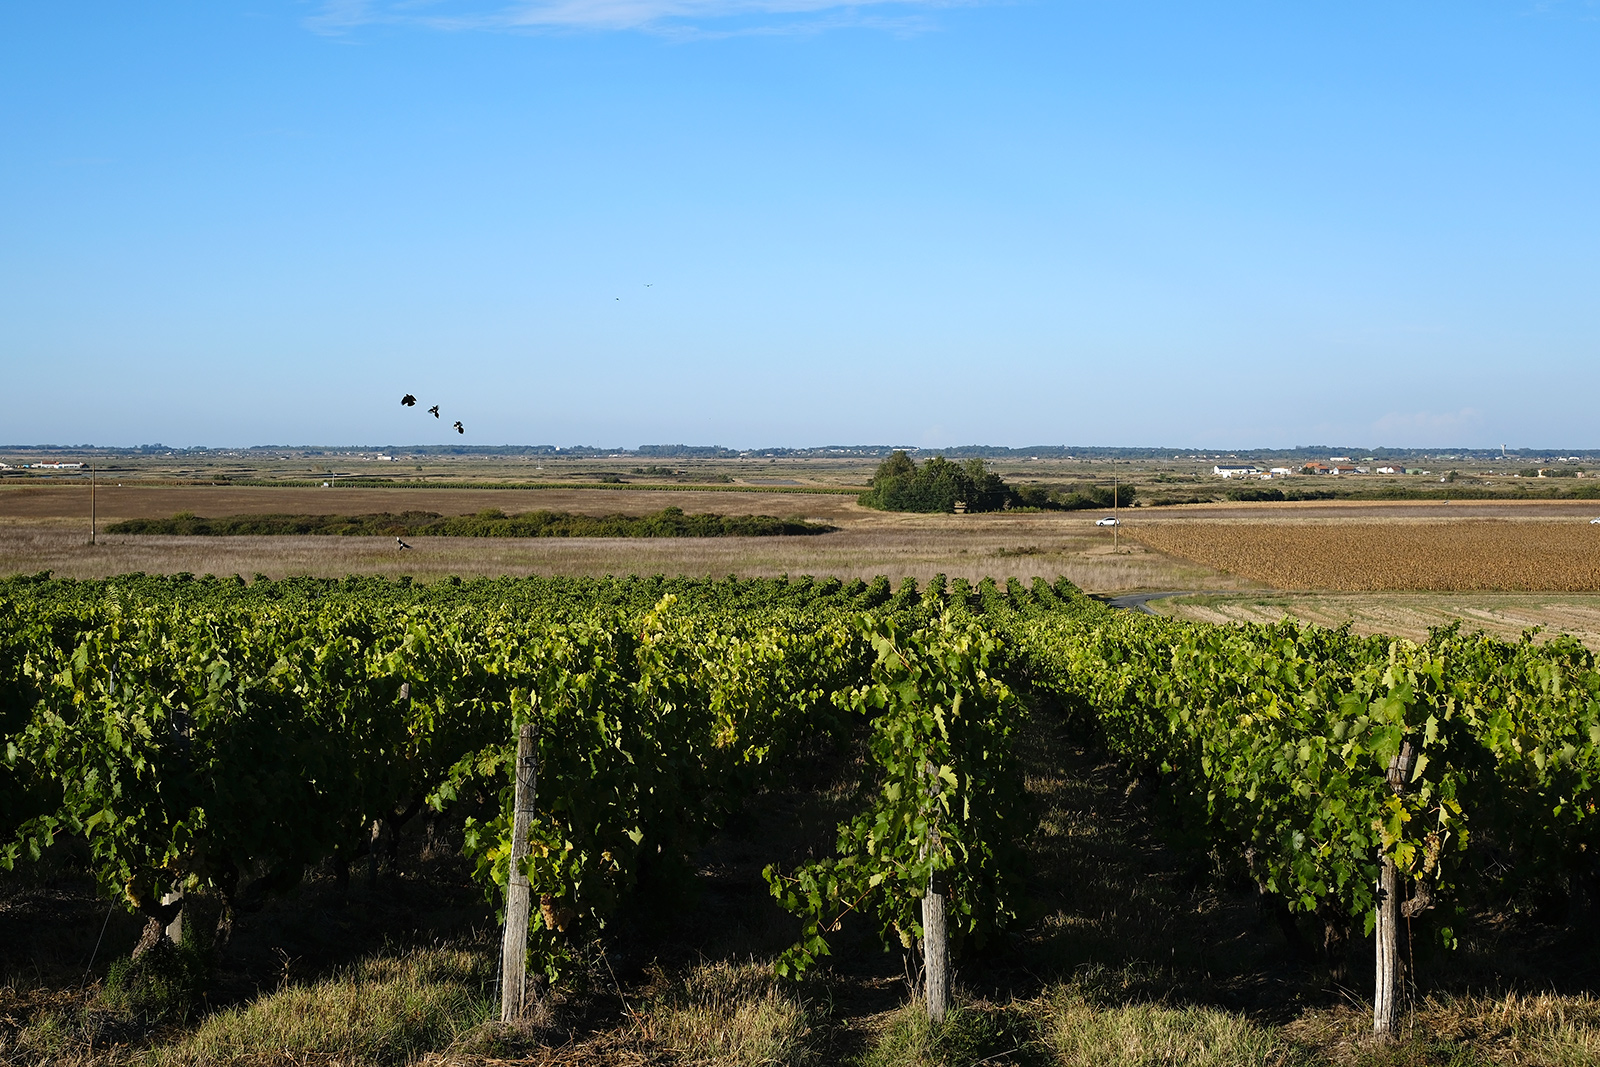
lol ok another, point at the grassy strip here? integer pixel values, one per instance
(668, 522)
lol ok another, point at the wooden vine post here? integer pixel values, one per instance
(935, 933)
(935, 952)
(1388, 988)
(519, 896)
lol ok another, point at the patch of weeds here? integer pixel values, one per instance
(1418, 1052)
(385, 1010)
(1104, 987)
(969, 1034)
(165, 983)
(1078, 1029)
(1548, 1029)
(737, 1014)
(47, 1035)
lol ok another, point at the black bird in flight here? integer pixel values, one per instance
(434, 411)
(408, 401)
(402, 544)
(459, 427)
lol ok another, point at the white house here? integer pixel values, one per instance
(1235, 470)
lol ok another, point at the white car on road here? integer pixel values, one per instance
(1109, 521)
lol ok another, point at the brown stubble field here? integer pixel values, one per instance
(1464, 555)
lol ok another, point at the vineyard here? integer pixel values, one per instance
(1458, 556)
(203, 746)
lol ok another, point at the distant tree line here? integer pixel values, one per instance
(939, 484)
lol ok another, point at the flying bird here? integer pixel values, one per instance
(402, 544)
(434, 411)
(408, 401)
(459, 427)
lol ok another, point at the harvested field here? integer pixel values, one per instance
(1024, 546)
(46, 528)
(1350, 556)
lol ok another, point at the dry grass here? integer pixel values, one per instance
(971, 547)
(1409, 615)
(1542, 1030)
(1462, 556)
(733, 1014)
(386, 1010)
(1078, 1031)
(44, 528)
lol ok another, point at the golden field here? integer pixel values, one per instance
(1468, 555)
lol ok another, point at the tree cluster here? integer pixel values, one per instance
(939, 484)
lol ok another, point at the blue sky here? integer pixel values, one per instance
(793, 222)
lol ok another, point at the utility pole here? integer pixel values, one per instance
(1116, 526)
(91, 501)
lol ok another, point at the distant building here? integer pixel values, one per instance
(1235, 470)
(1391, 470)
(1282, 472)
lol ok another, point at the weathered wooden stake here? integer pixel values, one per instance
(1386, 931)
(935, 933)
(374, 839)
(935, 953)
(174, 930)
(519, 897)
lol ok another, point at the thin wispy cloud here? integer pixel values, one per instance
(696, 18)
(1430, 425)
